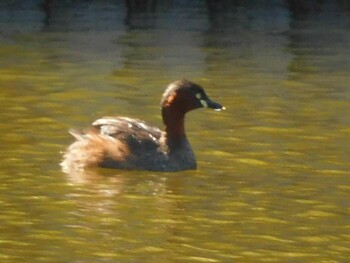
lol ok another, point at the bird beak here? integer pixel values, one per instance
(212, 104)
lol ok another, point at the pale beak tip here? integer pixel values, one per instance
(222, 108)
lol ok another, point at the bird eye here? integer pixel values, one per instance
(198, 96)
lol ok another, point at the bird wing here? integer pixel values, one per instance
(135, 132)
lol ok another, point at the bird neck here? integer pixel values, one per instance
(174, 122)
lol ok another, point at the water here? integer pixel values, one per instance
(273, 170)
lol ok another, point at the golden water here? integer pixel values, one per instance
(273, 170)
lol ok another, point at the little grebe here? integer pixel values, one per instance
(125, 143)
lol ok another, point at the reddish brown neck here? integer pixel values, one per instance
(174, 122)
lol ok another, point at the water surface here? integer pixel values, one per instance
(273, 170)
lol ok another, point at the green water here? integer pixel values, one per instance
(272, 183)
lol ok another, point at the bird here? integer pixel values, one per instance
(132, 144)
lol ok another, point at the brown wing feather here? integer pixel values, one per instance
(133, 131)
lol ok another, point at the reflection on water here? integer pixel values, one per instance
(272, 182)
